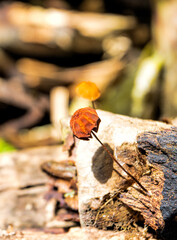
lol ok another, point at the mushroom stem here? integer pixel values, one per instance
(115, 160)
(93, 104)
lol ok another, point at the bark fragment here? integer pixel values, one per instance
(149, 207)
(161, 149)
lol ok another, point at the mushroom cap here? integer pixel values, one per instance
(88, 90)
(83, 121)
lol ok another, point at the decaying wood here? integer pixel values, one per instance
(23, 187)
(149, 207)
(160, 147)
(104, 188)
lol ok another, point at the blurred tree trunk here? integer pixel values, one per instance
(165, 36)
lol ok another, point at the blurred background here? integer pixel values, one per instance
(128, 48)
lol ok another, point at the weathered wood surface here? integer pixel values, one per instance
(147, 149)
(23, 186)
(80, 233)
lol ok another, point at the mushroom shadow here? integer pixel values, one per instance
(102, 164)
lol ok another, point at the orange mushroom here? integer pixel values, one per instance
(84, 122)
(88, 90)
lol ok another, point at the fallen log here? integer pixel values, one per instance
(108, 198)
